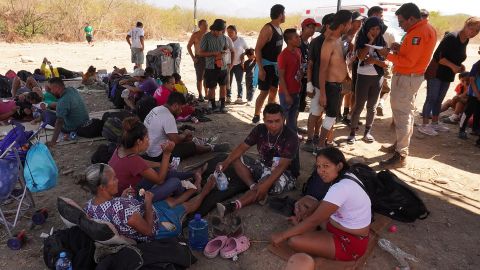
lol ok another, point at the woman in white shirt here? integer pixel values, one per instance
(346, 208)
(370, 75)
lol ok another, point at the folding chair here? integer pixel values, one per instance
(15, 198)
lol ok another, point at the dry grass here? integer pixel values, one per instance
(63, 20)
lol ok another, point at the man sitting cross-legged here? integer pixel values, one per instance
(277, 146)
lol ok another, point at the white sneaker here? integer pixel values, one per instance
(239, 101)
(427, 130)
(439, 127)
(228, 100)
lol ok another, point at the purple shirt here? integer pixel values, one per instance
(283, 145)
(148, 86)
(117, 211)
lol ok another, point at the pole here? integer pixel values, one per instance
(339, 4)
(195, 15)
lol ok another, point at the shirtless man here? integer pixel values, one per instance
(269, 46)
(199, 62)
(333, 70)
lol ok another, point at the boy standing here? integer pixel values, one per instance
(290, 76)
(248, 68)
(88, 33)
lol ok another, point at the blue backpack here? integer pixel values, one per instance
(40, 170)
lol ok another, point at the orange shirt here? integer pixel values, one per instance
(416, 49)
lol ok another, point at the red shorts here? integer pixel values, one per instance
(348, 247)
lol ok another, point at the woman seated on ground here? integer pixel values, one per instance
(91, 78)
(140, 221)
(133, 171)
(346, 208)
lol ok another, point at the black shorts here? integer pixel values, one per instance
(181, 150)
(271, 79)
(333, 92)
(200, 68)
(89, 39)
(215, 76)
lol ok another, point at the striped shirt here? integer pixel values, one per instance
(211, 43)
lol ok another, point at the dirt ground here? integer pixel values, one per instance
(443, 169)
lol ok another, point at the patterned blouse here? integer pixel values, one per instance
(117, 211)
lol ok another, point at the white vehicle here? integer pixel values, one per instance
(389, 17)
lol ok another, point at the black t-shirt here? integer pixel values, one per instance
(314, 53)
(454, 51)
(304, 49)
(283, 145)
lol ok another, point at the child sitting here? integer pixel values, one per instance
(248, 68)
(90, 78)
(473, 103)
(163, 91)
(458, 102)
(179, 85)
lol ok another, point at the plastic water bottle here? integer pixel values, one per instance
(73, 135)
(63, 263)
(222, 180)
(198, 233)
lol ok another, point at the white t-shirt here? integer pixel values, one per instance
(354, 210)
(135, 34)
(159, 123)
(227, 57)
(239, 47)
(369, 69)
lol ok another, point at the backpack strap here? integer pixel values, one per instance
(354, 179)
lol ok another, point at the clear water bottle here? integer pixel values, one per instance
(63, 263)
(73, 135)
(198, 233)
(222, 180)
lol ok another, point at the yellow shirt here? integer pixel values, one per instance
(181, 88)
(48, 72)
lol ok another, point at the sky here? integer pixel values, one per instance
(261, 8)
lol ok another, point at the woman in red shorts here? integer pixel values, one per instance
(346, 209)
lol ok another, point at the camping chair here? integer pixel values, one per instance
(13, 150)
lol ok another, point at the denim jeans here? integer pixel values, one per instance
(436, 91)
(171, 186)
(291, 111)
(236, 70)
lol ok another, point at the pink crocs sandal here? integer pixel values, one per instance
(214, 246)
(234, 246)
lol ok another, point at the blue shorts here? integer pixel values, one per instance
(174, 215)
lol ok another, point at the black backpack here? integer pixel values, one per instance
(104, 153)
(397, 200)
(144, 106)
(389, 195)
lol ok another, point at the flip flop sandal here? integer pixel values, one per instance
(234, 246)
(214, 246)
(218, 227)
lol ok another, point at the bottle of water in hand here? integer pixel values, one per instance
(63, 263)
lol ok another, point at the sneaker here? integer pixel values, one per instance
(439, 128)
(368, 138)
(351, 139)
(396, 161)
(223, 110)
(256, 119)
(228, 100)
(379, 111)
(318, 149)
(201, 99)
(221, 147)
(462, 135)
(388, 149)
(427, 130)
(346, 121)
(447, 120)
(309, 146)
(316, 139)
(239, 101)
(248, 104)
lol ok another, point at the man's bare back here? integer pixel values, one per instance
(337, 68)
